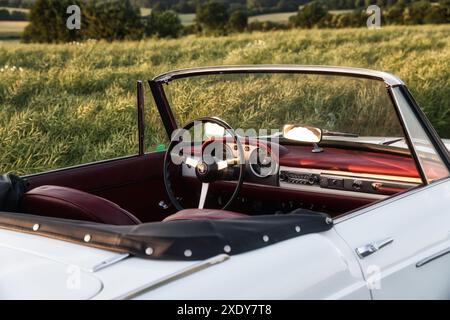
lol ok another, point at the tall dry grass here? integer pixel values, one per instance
(62, 105)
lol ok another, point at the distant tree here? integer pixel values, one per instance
(436, 14)
(13, 15)
(415, 13)
(48, 22)
(165, 24)
(112, 20)
(160, 7)
(266, 26)
(356, 18)
(238, 21)
(185, 7)
(309, 16)
(18, 16)
(287, 5)
(4, 14)
(394, 14)
(212, 16)
(446, 5)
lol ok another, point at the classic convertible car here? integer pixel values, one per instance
(279, 182)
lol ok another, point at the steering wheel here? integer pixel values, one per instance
(207, 170)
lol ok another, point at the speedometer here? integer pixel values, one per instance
(262, 164)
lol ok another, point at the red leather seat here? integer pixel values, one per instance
(204, 214)
(67, 203)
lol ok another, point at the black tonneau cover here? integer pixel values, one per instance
(12, 189)
(177, 240)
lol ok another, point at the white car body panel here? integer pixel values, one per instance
(27, 276)
(308, 267)
(419, 224)
(35, 267)
(315, 266)
(312, 266)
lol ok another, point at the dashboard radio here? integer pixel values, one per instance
(315, 180)
(299, 178)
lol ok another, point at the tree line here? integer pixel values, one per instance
(121, 19)
(400, 12)
(109, 20)
(12, 15)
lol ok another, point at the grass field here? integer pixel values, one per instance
(12, 29)
(68, 104)
(282, 17)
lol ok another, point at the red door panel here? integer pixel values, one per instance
(134, 183)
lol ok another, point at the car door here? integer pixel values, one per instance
(404, 244)
(134, 183)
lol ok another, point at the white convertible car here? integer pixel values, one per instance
(286, 182)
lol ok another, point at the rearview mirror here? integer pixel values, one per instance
(302, 134)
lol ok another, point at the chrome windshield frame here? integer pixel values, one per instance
(391, 81)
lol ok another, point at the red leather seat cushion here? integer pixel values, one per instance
(67, 203)
(204, 214)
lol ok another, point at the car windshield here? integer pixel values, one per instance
(345, 108)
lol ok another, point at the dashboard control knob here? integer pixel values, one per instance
(357, 185)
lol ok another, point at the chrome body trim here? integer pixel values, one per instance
(388, 78)
(433, 257)
(173, 277)
(109, 262)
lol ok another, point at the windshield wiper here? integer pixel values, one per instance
(389, 142)
(339, 134)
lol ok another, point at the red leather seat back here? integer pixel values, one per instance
(67, 203)
(204, 214)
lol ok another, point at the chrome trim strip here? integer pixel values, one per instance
(388, 78)
(109, 262)
(173, 277)
(433, 257)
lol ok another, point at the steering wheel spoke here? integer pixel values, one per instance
(191, 162)
(203, 194)
(224, 164)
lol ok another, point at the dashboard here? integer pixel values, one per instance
(334, 171)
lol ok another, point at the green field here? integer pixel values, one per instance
(12, 29)
(68, 104)
(282, 17)
(187, 18)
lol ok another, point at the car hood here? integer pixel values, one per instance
(33, 267)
